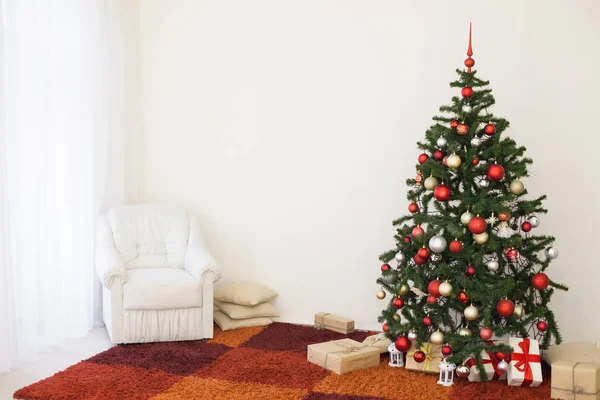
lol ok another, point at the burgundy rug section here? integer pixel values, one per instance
(179, 358)
(290, 337)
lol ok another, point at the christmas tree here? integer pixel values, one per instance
(469, 264)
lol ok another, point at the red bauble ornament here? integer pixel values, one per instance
(434, 288)
(454, 124)
(413, 207)
(398, 303)
(442, 192)
(446, 351)
(467, 91)
(511, 254)
(489, 129)
(475, 161)
(495, 172)
(501, 356)
(455, 246)
(526, 226)
(406, 239)
(469, 62)
(431, 299)
(462, 297)
(417, 231)
(505, 308)
(427, 321)
(419, 356)
(477, 225)
(385, 267)
(422, 158)
(540, 281)
(462, 129)
(542, 326)
(423, 252)
(486, 333)
(419, 260)
(470, 270)
(445, 161)
(385, 327)
(438, 155)
(403, 344)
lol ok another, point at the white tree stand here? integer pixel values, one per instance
(396, 356)
(446, 373)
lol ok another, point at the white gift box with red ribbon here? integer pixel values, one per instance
(525, 368)
(490, 364)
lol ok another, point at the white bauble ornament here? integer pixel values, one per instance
(464, 332)
(481, 238)
(502, 366)
(534, 221)
(471, 313)
(551, 253)
(493, 265)
(466, 217)
(505, 231)
(431, 183)
(445, 289)
(380, 294)
(437, 244)
(453, 161)
(475, 141)
(412, 336)
(519, 312)
(400, 257)
(441, 142)
(467, 108)
(437, 337)
(435, 258)
(517, 187)
(483, 182)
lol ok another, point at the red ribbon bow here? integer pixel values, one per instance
(523, 361)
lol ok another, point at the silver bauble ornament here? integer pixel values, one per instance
(464, 332)
(551, 253)
(435, 258)
(380, 294)
(462, 371)
(475, 141)
(505, 231)
(445, 289)
(519, 312)
(502, 366)
(437, 337)
(396, 317)
(400, 257)
(483, 183)
(412, 336)
(493, 265)
(390, 278)
(466, 217)
(481, 238)
(441, 142)
(403, 290)
(437, 244)
(471, 313)
(517, 187)
(453, 161)
(431, 183)
(534, 221)
(467, 108)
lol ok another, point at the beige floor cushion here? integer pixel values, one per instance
(244, 293)
(227, 324)
(235, 311)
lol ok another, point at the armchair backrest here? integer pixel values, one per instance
(150, 236)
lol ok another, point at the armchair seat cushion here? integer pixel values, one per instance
(161, 289)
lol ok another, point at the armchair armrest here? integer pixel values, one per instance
(198, 260)
(108, 261)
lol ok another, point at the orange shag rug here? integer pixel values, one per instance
(251, 363)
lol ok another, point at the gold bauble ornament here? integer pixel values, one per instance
(404, 289)
(471, 313)
(517, 187)
(437, 337)
(445, 289)
(481, 238)
(396, 317)
(466, 217)
(519, 311)
(380, 294)
(453, 161)
(431, 183)
(464, 332)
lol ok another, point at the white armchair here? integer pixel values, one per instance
(157, 275)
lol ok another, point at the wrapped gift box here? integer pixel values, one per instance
(490, 363)
(343, 356)
(525, 368)
(379, 341)
(433, 355)
(575, 380)
(334, 323)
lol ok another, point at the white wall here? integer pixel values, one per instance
(290, 127)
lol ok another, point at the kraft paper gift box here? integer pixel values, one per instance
(379, 341)
(334, 323)
(343, 356)
(575, 380)
(433, 355)
(525, 368)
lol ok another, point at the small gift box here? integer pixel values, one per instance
(525, 368)
(490, 364)
(334, 323)
(343, 356)
(575, 380)
(433, 355)
(379, 341)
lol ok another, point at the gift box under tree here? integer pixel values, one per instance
(525, 368)
(490, 364)
(425, 358)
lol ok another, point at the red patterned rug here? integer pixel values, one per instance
(250, 363)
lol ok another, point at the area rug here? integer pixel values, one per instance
(250, 363)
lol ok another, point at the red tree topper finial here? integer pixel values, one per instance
(469, 62)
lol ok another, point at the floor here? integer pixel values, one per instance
(74, 351)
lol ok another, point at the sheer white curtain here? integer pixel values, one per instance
(61, 71)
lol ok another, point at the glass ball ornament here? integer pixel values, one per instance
(390, 279)
(481, 238)
(517, 187)
(475, 141)
(534, 221)
(380, 294)
(396, 317)
(551, 253)
(404, 289)
(467, 108)
(483, 182)
(464, 332)
(435, 258)
(493, 265)
(437, 244)
(412, 336)
(453, 161)
(445, 289)
(519, 311)
(466, 217)
(419, 356)
(430, 183)
(486, 333)
(462, 371)
(471, 313)
(400, 257)
(441, 142)
(437, 337)
(502, 366)
(447, 350)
